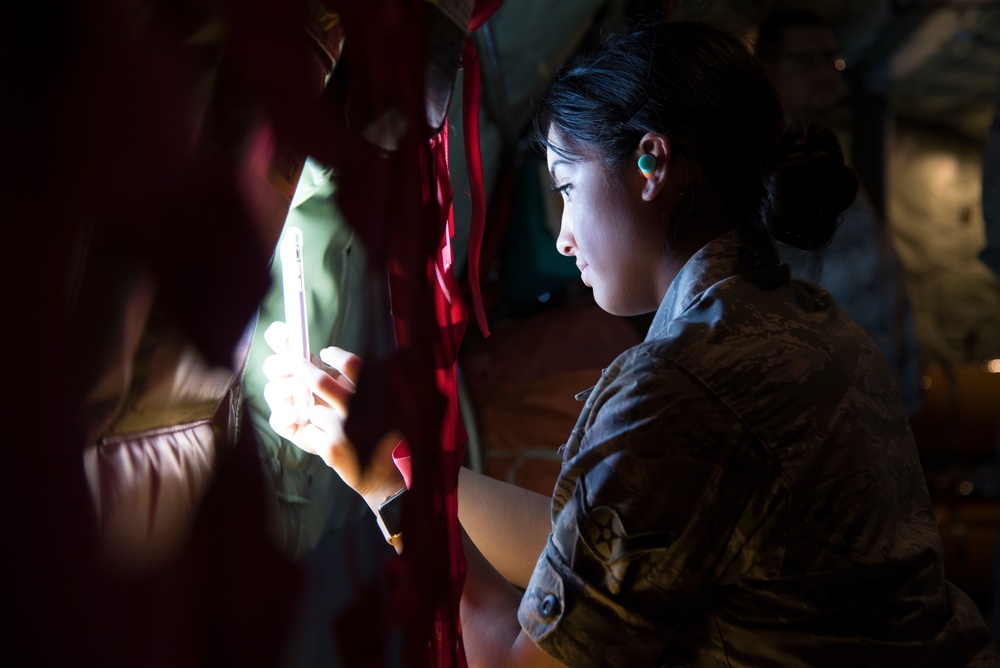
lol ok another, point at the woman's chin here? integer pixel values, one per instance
(625, 309)
(606, 304)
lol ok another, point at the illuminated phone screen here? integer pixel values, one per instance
(294, 292)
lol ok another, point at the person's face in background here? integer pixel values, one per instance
(805, 73)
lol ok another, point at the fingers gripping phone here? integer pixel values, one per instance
(294, 292)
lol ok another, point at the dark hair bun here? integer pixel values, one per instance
(807, 185)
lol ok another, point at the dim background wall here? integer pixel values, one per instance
(936, 218)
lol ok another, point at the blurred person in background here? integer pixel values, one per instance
(798, 49)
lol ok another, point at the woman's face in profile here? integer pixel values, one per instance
(619, 253)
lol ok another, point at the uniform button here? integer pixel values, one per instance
(549, 605)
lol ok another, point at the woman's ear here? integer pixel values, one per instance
(653, 162)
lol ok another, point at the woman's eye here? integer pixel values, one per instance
(564, 190)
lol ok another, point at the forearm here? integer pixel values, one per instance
(488, 611)
(508, 524)
(490, 630)
(386, 481)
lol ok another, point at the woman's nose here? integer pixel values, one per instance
(565, 243)
(564, 246)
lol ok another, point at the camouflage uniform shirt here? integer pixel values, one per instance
(742, 489)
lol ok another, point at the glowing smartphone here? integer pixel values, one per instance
(294, 292)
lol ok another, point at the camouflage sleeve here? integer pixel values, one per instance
(658, 500)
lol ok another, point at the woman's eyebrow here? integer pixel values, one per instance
(552, 170)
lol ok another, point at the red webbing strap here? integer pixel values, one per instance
(474, 165)
(416, 227)
(482, 11)
(451, 317)
(399, 205)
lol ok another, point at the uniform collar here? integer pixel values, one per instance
(725, 256)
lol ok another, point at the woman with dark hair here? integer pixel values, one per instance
(741, 489)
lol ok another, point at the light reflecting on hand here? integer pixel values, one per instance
(332, 379)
